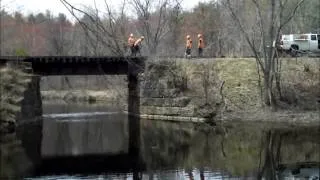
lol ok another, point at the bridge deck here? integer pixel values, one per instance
(77, 65)
(70, 59)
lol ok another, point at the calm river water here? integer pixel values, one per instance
(98, 142)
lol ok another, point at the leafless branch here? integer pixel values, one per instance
(246, 35)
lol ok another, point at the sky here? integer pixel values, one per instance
(55, 6)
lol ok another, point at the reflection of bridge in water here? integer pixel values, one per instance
(90, 142)
(31, 106)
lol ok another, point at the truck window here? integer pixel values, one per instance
(313, 37)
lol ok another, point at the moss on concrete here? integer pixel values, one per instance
(13, 83)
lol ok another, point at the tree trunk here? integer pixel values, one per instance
(269, 100)
(278, 75)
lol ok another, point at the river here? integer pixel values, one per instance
(99, 142)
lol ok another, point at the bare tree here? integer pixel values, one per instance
(153, 20)
(172, 41)
(270, 18)
(111, 28)
(107, 33)
(61, 35)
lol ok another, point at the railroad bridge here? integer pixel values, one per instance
(78, 65)
(37, 66)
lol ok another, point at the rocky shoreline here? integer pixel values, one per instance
(311, 118)
(81, 96)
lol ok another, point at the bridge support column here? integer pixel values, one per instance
(31, 105)
(134, 111)
(29, 121)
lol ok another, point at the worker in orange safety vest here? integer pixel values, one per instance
(200, 45)
(188, 46)
(137, 45)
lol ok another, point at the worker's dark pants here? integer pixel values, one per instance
(132, 49)
(136, 50)
(188, 51)
(200, 52)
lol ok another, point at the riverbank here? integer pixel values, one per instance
(216, 89)
(310, 118)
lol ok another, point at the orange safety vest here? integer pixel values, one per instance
(138, 42)
(189, 43)
(131, 41)
(200, 43)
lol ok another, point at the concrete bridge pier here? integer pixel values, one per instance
(134, 110)
(29, 121)
(31, 105)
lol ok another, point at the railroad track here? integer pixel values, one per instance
(224, 57)
(68, 59)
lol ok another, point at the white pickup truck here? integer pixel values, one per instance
(300, 43)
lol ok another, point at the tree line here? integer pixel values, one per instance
(163, 23)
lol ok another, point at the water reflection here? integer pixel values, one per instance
(84, 134)
(240, 149)
(58, 107)
(100, 141)
(14, 161)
